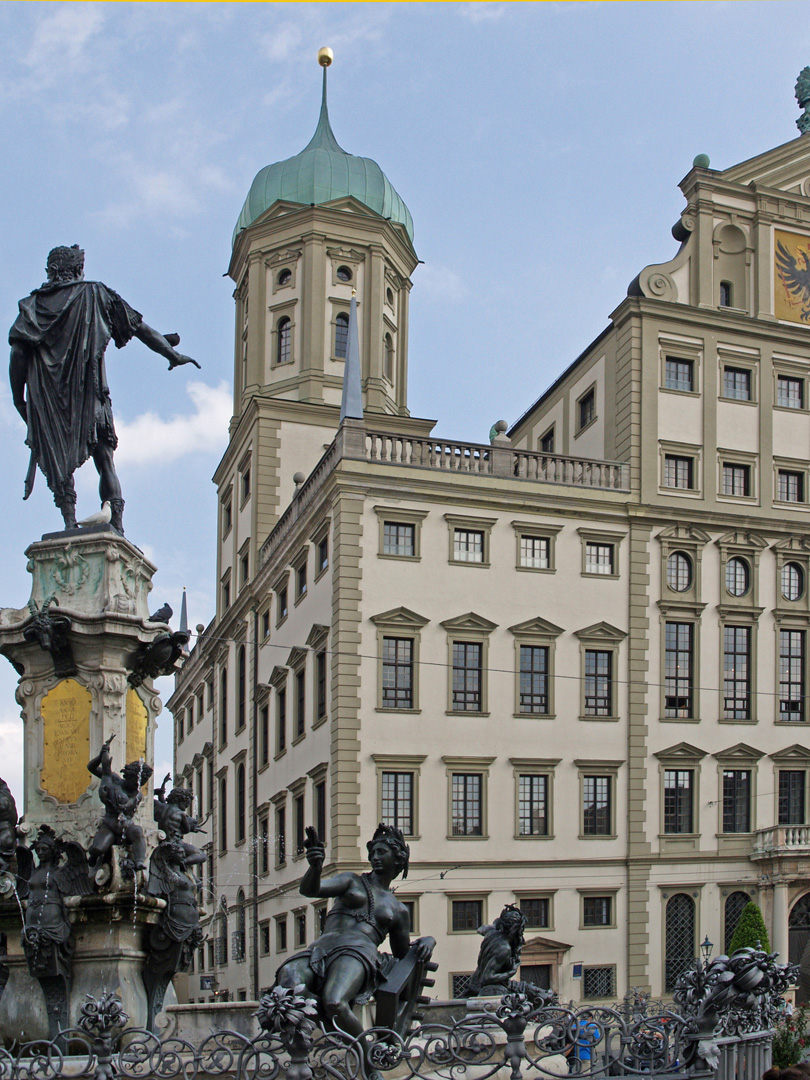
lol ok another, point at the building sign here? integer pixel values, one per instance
(208, 982)
(137, 719)
(791, 279)
(66, 740)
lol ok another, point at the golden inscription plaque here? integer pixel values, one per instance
(66, 740)
(791, 279)
(137, 719)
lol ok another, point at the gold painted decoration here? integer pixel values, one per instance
(66, 740)
(137, 720)
(791, 279)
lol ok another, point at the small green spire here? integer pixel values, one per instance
(324, 137)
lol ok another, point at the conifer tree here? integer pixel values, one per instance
(750, 930)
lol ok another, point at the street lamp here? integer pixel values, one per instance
(706, 947)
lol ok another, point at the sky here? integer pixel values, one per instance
(539, 147)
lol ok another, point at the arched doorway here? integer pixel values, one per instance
(798, 938)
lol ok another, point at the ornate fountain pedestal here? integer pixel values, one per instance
(78, 648)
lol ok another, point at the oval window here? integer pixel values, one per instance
(679, 571)
(389, 296)
(284, 278)
(737, 576)
(792, 581)
(344, 273)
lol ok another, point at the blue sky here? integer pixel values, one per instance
(537, 145)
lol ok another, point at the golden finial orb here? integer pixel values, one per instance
(325, 56)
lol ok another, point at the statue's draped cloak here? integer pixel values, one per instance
(65, 329)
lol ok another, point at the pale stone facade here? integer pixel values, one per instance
(572, 664)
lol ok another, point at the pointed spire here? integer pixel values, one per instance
(351, 405)
(183, 614)
(324, 137)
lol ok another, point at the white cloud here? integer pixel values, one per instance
(149, 439)
(11, 752)
(61, 38)
(482, 12)
(437, 282)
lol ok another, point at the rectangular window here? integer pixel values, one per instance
(300, 703)
(792, 787)
(320, 809)
(223, 814)
(300, 929)
(678, 660)
(264, 844)
(587, 409)
(264, 735)
(736, 800)
(598, 682)
(226, 593)
(467, 672)
(547, 441)
(323, 554)
(468, 545)
(227, 517)
(678, 801)
(534, 679)
(244, 569)
(791, 674)
(281, 933)
(736, 479)
(532, 805)
(397, 800)
(597, 817)
(737, 673)
(410, 907)
(467, 914)
(282, 606)
(397, 673)
(599, 558)
(461, 985)
(264, 931)
(737, 383)
(246, 484)
(399, 539)
(320, 684)
(679, 472)
(301, 581)
(597, 910)
(535, 552)
(790, 486)
(320, 916)
(536, 910)
(466, 804)
(281, 836)
(281, 721)
(598, 982)
(265, 624)
(300, 824)
(680, 374)
(790, 392)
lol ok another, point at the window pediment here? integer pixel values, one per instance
(400, 618)
(297, 657)
(470, 622)
(317, 635)
(601, 631)
(739, 752)
(682, 751)
(793, 543)
(278, 676)
(796, 753)
(742, 538)
(684, 534)
(536, 627)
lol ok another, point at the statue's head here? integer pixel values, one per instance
(511, 922)
(136, 773)
(65, 264)
(391, 837)
(173, 852)
(180, 796)
(47, 845)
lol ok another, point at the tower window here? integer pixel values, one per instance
(284, 278)
(389, 296)
(344, 273)
(341, 335)
(284, 347)
(725, 294)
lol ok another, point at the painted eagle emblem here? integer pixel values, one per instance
(795, 278)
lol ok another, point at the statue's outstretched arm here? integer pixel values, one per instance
(158, 343)
(18, 376)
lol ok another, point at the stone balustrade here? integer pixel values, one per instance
(786, 839)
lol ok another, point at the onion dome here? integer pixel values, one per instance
(323, 171)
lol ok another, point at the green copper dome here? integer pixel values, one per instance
(321, 172)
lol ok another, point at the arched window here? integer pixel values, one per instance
(792, 581)
(284, 344)
(241, 688)
(388, 342)
(240, 803)
(341, 335)
(725, 294)
(240, 938)
(223, 813)
(223, 707)
(734, 908)
(679, 571)
(680, 938)
(737, 576)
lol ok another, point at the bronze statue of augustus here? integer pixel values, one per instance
(58, 381)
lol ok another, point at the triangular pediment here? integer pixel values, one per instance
(739, 752)
(540, 946)
(742, 538)
(785, 167)
(297, 657)
(472, 622)
(400, 617)
(682, 751)
(684, 532)
(796, 753)
(278, 676)
(601, 631)
(317, 635)
(536, 626)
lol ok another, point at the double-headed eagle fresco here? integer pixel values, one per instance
(795, 278)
